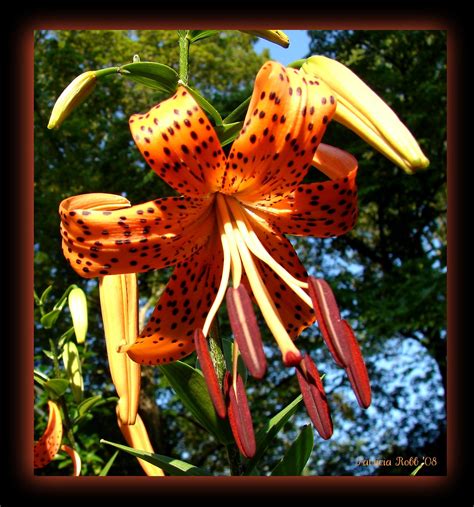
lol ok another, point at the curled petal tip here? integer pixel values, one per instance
(364, 112)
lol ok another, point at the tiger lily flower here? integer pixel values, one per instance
(229, 223)
(49, 444)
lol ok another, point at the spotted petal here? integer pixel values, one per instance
(48, 445)
(182, 308)
(180, 145)
(103, 235)
(323, 209)
(286, 119)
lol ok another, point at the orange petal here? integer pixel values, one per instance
(182, 308)
(106, 237)
(179, 143)
(323, 209)
(48, 445)
(294, 313)
(286, 119)
(76, 459)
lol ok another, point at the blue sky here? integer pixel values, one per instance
(299, 47)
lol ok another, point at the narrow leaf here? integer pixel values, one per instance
(209, 373)
(151, 74)
(169, 465)
(297, 456)
(417, 469)
(207, 106)
(190, 386)
(246, 331)
(105, 470)
(88, 404)
(195, 35)
(56, 386)
(227, 133)
(45, 294)
(49, 319)
(238, 113)
(266, 435)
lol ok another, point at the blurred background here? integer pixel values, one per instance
(389, 273)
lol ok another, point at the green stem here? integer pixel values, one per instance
(184, 43)
(54, 352)
(234, 460)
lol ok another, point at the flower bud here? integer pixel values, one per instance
(275, 36)
(74, 94)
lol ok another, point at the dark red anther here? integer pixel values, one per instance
(357, 371)
(246, 331)
(329, 319)
(239, 415)
(314, 397)
(209, 373)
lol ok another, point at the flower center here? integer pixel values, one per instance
(241, 246)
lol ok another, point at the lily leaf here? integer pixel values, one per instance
(417, 469)
(227, 132)
(265, 436)
(195, 35)
(105, 470)
(190, 386)
(206, 105)
(56, 387)
(88, 404)
(45, 294)
(169, 465)
(40, 378)
(239, 112)
(295, 459)
(49, 319)
(151, 74)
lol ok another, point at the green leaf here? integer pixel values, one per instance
(190, 386)
(88, 404)
(48, 354)
(40, 378)
(265, 436)
(151, 74)
(228, 132)
(417, 469)
(65, 336)
(56, 386)
(207, 106)
(195, 35)
(169, 465)
(239, 112)
(49, 319)
(295, 459)
(105, 470)
(45, 294)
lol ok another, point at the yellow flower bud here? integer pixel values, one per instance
(78, 306)
(74, 94)
(275, 36)
(364, 112)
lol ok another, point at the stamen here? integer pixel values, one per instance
(224, 279)
(256, 247)
(291, 355)
(234, 252)
(245, 328)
